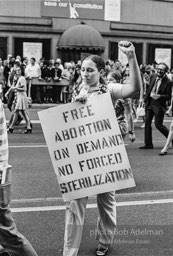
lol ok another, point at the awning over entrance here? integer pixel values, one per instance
(81, 37)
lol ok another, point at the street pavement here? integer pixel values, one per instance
(144, 213)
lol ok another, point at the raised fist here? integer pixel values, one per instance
(126, 47)
(124, 43)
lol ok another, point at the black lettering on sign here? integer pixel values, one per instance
(81, 165)
(61, 154)
(75, 114)
(65, 170)
(98, 144)
(63, 188)
(124, 174)
(108, 178)
(100, 161)
(83, 130)
(95, 180)
(88, 126)
(57, 137)
(82, 183)
(65, 135)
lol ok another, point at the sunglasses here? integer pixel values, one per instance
(161, 70)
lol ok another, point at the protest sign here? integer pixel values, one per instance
(86, 147)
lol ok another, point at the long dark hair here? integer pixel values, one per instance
(76, 74)
(100, 64)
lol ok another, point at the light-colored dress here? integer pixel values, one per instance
(22, 101)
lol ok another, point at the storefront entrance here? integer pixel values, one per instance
(3, 48)
(113, 51)
(160, 53)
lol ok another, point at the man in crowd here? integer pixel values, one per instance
(157, 95)
(56, 76)
(33, 71)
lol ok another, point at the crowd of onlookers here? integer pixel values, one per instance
(44, 70)
(54, 70)
(50, 73)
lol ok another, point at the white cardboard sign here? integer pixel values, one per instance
(113, 10)
(86, 148)
(163, 55)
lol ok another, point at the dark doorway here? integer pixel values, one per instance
(3, 48)
(151, 52)
(113, 51)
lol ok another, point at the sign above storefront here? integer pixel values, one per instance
(78, 9)
(164, 0)
(32, 49)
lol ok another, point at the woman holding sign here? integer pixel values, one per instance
(92, 70)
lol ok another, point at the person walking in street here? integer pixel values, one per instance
(21, 103)
(13, 242)
(159, 92)
(169, 112)
(91, 72)
(56, 77)
(169, 140)
(33, 70)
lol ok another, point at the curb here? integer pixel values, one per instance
(43, 106)
(38, 106)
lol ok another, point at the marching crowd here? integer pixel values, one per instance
(131, 86)
(20, 95)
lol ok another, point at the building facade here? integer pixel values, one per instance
(37, 27)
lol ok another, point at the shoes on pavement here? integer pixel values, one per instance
(163, 153)
(101, 250)
(168, 114)
(146, 147)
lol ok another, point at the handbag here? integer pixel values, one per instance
(140, 111)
